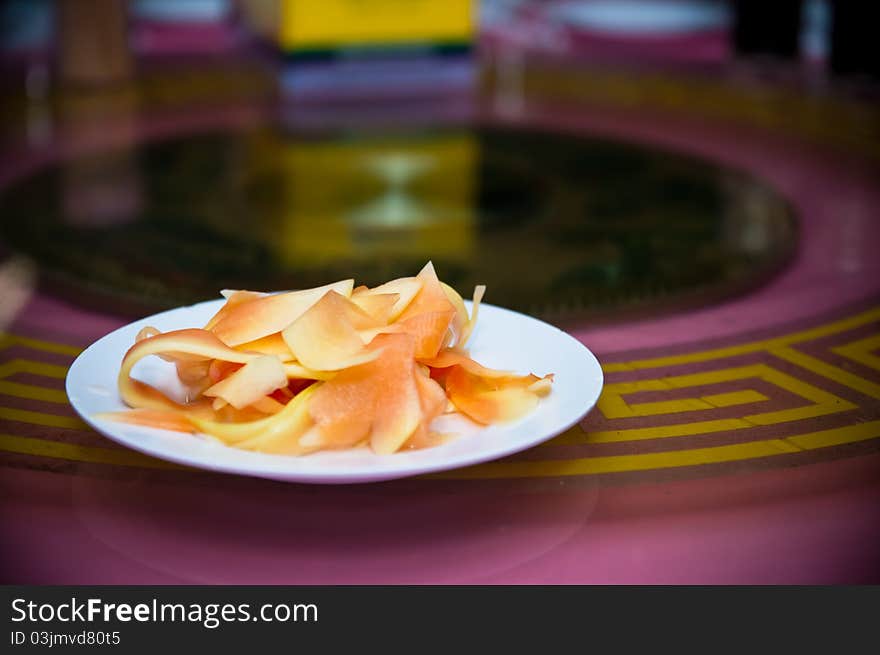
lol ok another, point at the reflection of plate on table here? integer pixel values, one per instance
(503, 339)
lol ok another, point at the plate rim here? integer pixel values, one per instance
(327, 476)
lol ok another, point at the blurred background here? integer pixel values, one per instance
(156, 151)
(688, 187)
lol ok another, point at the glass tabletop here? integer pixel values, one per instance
(555, 225)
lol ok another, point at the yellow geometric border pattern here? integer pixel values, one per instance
(612, 405)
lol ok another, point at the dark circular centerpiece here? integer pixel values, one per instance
(556, 225)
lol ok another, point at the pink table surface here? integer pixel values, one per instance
(701, 506)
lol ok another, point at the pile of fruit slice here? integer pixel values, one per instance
(328, 368)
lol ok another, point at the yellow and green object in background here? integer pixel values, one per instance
(356, 199)
(326, 27)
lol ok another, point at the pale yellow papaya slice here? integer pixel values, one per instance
(406, 288)
(379, 306)
(260, 317)
(326, 338)
(256, 379)
(272, 344)
(287, 425)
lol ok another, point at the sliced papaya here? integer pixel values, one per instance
(398, 411)
(479, 292)
(163, 419)
(272, 344)
(429, 329)
(427, 317)
(405, 288)
(460, 320)
(376, 400)
(220, 369)
(256, 379)
(260, 317)
(449, 357)
(344, 408)
(288, 425)
(331, 367)
(194, 373)
(432, 397)
(430, 298)
(490, 400)
(325, 336)
(379, 306)
(233, 298)
(192, 342)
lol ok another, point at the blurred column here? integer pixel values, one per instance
(98, 107)
(815, 38)
(815, 43)
(25, 43)
(93, 41)
(509, 93)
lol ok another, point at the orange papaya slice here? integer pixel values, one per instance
(489, 400)
(377, 400)
(257, 378)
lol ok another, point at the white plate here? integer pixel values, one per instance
(503, 339)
